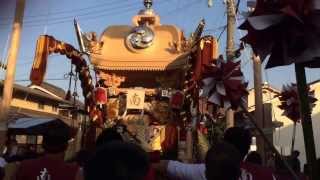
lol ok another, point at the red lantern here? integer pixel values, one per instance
(100, 95)
(177, 100)
(202, 128)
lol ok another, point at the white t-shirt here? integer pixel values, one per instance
(2, 162)
(183, 171)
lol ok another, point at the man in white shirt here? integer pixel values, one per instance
(241, 139)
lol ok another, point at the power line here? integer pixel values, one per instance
(87, 17)
(182, 7)
(64, 11)
(241, 34)
(71, 20)
(117, 6)
(48, 79)
(219, 37)
(215, 29)
(98, 17)
(95, 12)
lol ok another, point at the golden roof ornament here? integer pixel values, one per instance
(148, 8)
(143, 46)
(147, 4)
(142, 36)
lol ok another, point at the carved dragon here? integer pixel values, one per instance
(47, 45)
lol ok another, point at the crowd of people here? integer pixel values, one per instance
(115, 159)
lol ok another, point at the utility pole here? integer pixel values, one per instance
(258, 99)
(11, 69)
(231, 19)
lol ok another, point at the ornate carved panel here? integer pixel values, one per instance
(111, 80)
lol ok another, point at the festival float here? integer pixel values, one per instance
(155, 85)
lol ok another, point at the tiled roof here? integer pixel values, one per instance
(17, 113)
(60, 94)
(24, 89)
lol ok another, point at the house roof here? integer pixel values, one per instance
(268, 87)
(55, 92)
(35, 126)
(28, 122)
(17, 113)
(46, 90)
(277, 91)
(53, 89)
(35, 92)
(162, 55)
(314, 82)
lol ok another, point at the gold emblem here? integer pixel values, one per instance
(135, 99)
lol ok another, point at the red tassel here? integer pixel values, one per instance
(100, 96)
(177, 100)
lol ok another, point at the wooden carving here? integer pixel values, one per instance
(112, 80)
(92, 43)
(47, 45)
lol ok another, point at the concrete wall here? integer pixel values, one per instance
(32, 105)
(282, 137)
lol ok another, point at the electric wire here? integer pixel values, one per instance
(63, 11)
(246, 51)
(94, 14)
(47, 79)
(111, 10)
(182, 8)
(110, 14)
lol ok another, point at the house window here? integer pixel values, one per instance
(54, 108)
(41, 105)
(31, 139)
(30, 143)
(64, 113)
